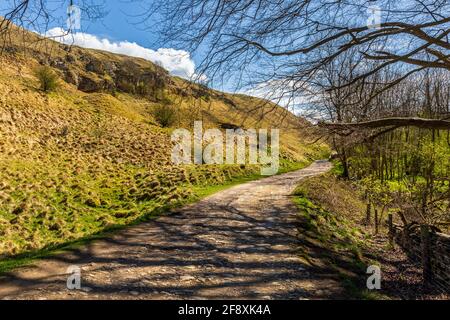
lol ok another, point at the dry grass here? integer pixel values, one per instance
(334, 195)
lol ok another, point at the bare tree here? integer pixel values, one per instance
(288, 43)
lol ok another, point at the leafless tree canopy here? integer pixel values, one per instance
(289, 44)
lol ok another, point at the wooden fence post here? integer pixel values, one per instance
(426, 261)
(376, 221)
(391, 229)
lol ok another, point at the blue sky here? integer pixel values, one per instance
(118, 25)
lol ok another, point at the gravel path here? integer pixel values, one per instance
(237, 244)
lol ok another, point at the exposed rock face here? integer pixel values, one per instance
(91, 74)
(89, 84)
(95, 66)
(98, 71)
(110, 68)
(71, 77)
(131, 78)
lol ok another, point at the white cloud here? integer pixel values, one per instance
(177, 62)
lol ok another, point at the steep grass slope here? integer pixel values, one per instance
(90, 156)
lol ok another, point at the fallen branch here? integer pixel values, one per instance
(394, 121)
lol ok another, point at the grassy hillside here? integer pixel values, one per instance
(90, 156)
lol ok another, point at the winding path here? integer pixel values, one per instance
(237, 244)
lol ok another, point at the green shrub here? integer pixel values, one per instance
(47, 78)
(165, 114)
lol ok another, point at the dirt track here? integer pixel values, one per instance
(239, 243)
